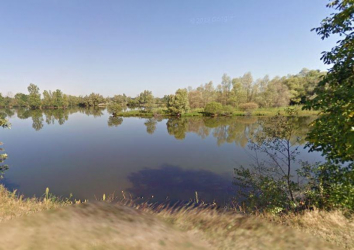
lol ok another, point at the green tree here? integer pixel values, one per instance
(93, 100)
(208, 92)
(333, 131)
(301, 86)
(21, 100)
(146, 100)
(58, 98)
(114, 108)
(246, 81)
(269, 183)
(224, 89)
(213, 108)
(47, 99)
(120, 99)
(195, 98)
(178, 104)
(2, 101)
(34, 99)
(238, 93)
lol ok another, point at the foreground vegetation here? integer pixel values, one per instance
(110, 225)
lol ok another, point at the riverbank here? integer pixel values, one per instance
(200, 112)
(49, 221)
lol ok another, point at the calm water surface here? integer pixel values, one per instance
(88, 153)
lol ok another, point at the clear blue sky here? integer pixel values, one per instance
(114, 47)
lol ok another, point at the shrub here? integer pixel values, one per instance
(248, 106)
(227, 110)
(329, 185)
(268, 183)
(213, 108)
(114, 108)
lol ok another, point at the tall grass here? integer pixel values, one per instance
(220, 227)
(13, 205)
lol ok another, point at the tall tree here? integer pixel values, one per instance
(21, 100)
(178, 104)
(333, 131)
(146, 100)
(34, 99)
(225, 89)
(195, 97)
(246, 81)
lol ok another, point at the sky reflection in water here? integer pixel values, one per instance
(87, 153)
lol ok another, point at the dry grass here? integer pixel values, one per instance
(331, 226)
(13, 205)
(94, 226)
(129, 226)
(230, 230)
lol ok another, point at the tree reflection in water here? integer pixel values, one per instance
(150, 125)
(114, 121)
(236, 130)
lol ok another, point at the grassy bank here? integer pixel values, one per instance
(200, 112)
(50, 222)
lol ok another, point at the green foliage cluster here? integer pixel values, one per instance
(327, 185)
(34, 98)
(114, 108)
(332, 132)
(178, 104)
(269, 184)
(55, 99)
(265, 92)
(213, 108)
(231, 93)
(3, 167)
(122, 100)
(4, 124)
(248, 106)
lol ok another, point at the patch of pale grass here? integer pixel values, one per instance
(107, 226)
(331, 226)
(230, 230)
(13, 205)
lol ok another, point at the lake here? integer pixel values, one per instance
(87, 153)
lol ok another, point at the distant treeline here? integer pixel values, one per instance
(231, 92)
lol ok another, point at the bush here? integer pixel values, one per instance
(114, 108)
(329, 185)
(213, 108)
(248, 106)
(159, 111)
(227, 110)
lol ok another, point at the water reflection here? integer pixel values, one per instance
(236, 130)
(52, 115)
(177, 127)
(173, 183)
(150, 125)
(109, 154)
(114, 121)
